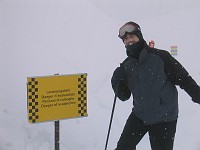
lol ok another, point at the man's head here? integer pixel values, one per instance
(131, 35)
(130, 28)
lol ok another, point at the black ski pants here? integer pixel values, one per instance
(161, 135)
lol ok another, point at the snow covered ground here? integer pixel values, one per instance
(44, 37)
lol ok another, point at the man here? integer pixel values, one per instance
(151, 76)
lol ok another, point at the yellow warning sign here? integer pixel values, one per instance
(56, 97)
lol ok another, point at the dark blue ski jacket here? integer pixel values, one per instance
(152, 82)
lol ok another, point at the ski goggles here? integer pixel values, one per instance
(127, 28)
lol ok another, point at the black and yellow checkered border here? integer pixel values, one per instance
(82, 95)
(32, 87)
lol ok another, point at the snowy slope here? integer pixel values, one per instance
(44, 37)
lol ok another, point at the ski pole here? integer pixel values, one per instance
(113, 109)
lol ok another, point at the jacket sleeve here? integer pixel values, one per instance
(118, 85)
(179, 76)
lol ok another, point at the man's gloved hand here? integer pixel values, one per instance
(196, 96)
(120, 89)
(117, 77)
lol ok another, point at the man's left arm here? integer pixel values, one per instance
(179, 76)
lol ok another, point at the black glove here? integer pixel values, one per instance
(117, 77)
(196, 96)
(120, 89)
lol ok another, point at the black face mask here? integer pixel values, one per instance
(135, 49)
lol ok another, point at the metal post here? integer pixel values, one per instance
(57, 131)
(57, 139)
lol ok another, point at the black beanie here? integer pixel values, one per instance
(137, 32)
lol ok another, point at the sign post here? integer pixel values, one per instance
(57, 132)
(57, 135)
